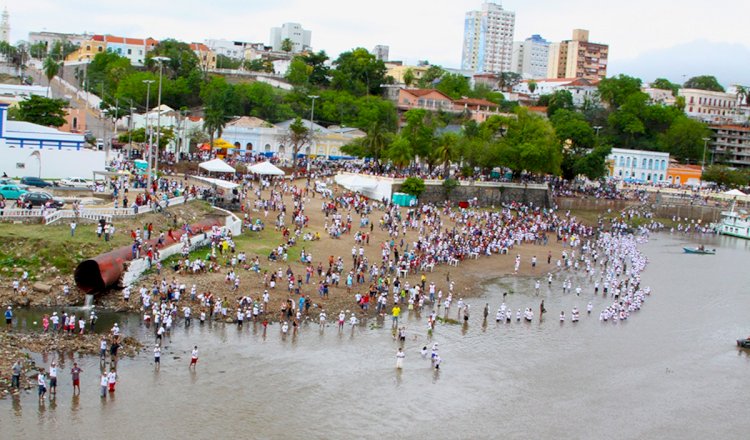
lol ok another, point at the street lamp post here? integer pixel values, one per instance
(705, 144)
(160, 60)
(148, 83)
(312, 117)
(130, 131)
(597, 128)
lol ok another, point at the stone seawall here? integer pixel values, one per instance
(486, 193)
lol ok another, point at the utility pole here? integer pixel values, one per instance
(160, 60)
(312, 117)
(148, 83)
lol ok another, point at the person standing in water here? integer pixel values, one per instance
(400, 355)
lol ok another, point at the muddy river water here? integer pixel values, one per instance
(671, 371)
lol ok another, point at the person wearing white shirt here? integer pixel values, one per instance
(400, 355)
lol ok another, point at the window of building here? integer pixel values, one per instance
(628, 165)
(650, 164)
(643, 165)
(267, 148)
(249, 146)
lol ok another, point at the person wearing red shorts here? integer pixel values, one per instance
(194, 357)
(75, 372)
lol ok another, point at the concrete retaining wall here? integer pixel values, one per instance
(486, 193)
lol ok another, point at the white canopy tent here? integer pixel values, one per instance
(355, 183)
(734, 192)
(266, 169)
(223, 184)
(216, 166)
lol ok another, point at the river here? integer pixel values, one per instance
(671, 371)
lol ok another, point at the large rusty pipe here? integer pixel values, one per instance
(97, 274)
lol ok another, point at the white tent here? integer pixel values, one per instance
(354, 182)
(734, 192)
(224, 184)
(265, 168)
(217, 166)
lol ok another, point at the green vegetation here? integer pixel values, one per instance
(413, 185)
(41, 110)
(729, 177)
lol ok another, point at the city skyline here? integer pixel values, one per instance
(412, 31)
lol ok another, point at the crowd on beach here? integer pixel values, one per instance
(384, 279)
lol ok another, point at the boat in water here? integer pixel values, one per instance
(699, 250)
(734, 223)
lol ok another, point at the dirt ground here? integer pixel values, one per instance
(468, 276)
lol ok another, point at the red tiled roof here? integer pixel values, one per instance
(538, 109)
(98, 38)
(475, 101)
(423, 92)
(199, 46)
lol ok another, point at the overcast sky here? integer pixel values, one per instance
(414, 29)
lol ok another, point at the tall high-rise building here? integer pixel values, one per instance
(578, 58)
(5, 26)
(530, 57)
(488, 39)
(381, 52)
(299, 37)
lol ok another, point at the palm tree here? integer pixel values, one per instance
(214, 122)
(376, 141)
(400, 152)
(743, 95)
(51, 68)
(447, 150)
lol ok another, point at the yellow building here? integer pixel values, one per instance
(397, 71)
(88, 50)
(206, 57)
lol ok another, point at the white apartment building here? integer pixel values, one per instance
(231, 49)
(715, 107)
(299, 37)
(530, 57)
(637, 165)
(581, 89)
(488, 39)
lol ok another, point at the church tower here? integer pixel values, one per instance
(5, 26)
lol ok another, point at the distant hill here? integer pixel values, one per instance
(728, 62)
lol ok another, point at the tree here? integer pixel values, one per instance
(408, 77)
(298, 73)
(297, 136)
(530, 145)
(665, 84)
(400, 152)
(726, 176)
(449, 184)
(454, 85)
(61, 49)
(359, 72)
(225, 62)
(615, 91)
(139, 135)
(572, 127)
(560, 99)
(38, 50)
(318, 71)
(684, 139)
(447, 150)
(414, 186)
(286, 45)
(432, 74)
(217, 105)
(182, 60)
(43, 111)
(743, 95)
(507, 80)
(374, 145)
(420, 132)
(704, 82)
(258, 65)
(591, 163)
(532, 86)
(51, 68)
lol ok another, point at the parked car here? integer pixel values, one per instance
(35, 181)
(76, 181)
(42, 198)
(11, 192)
